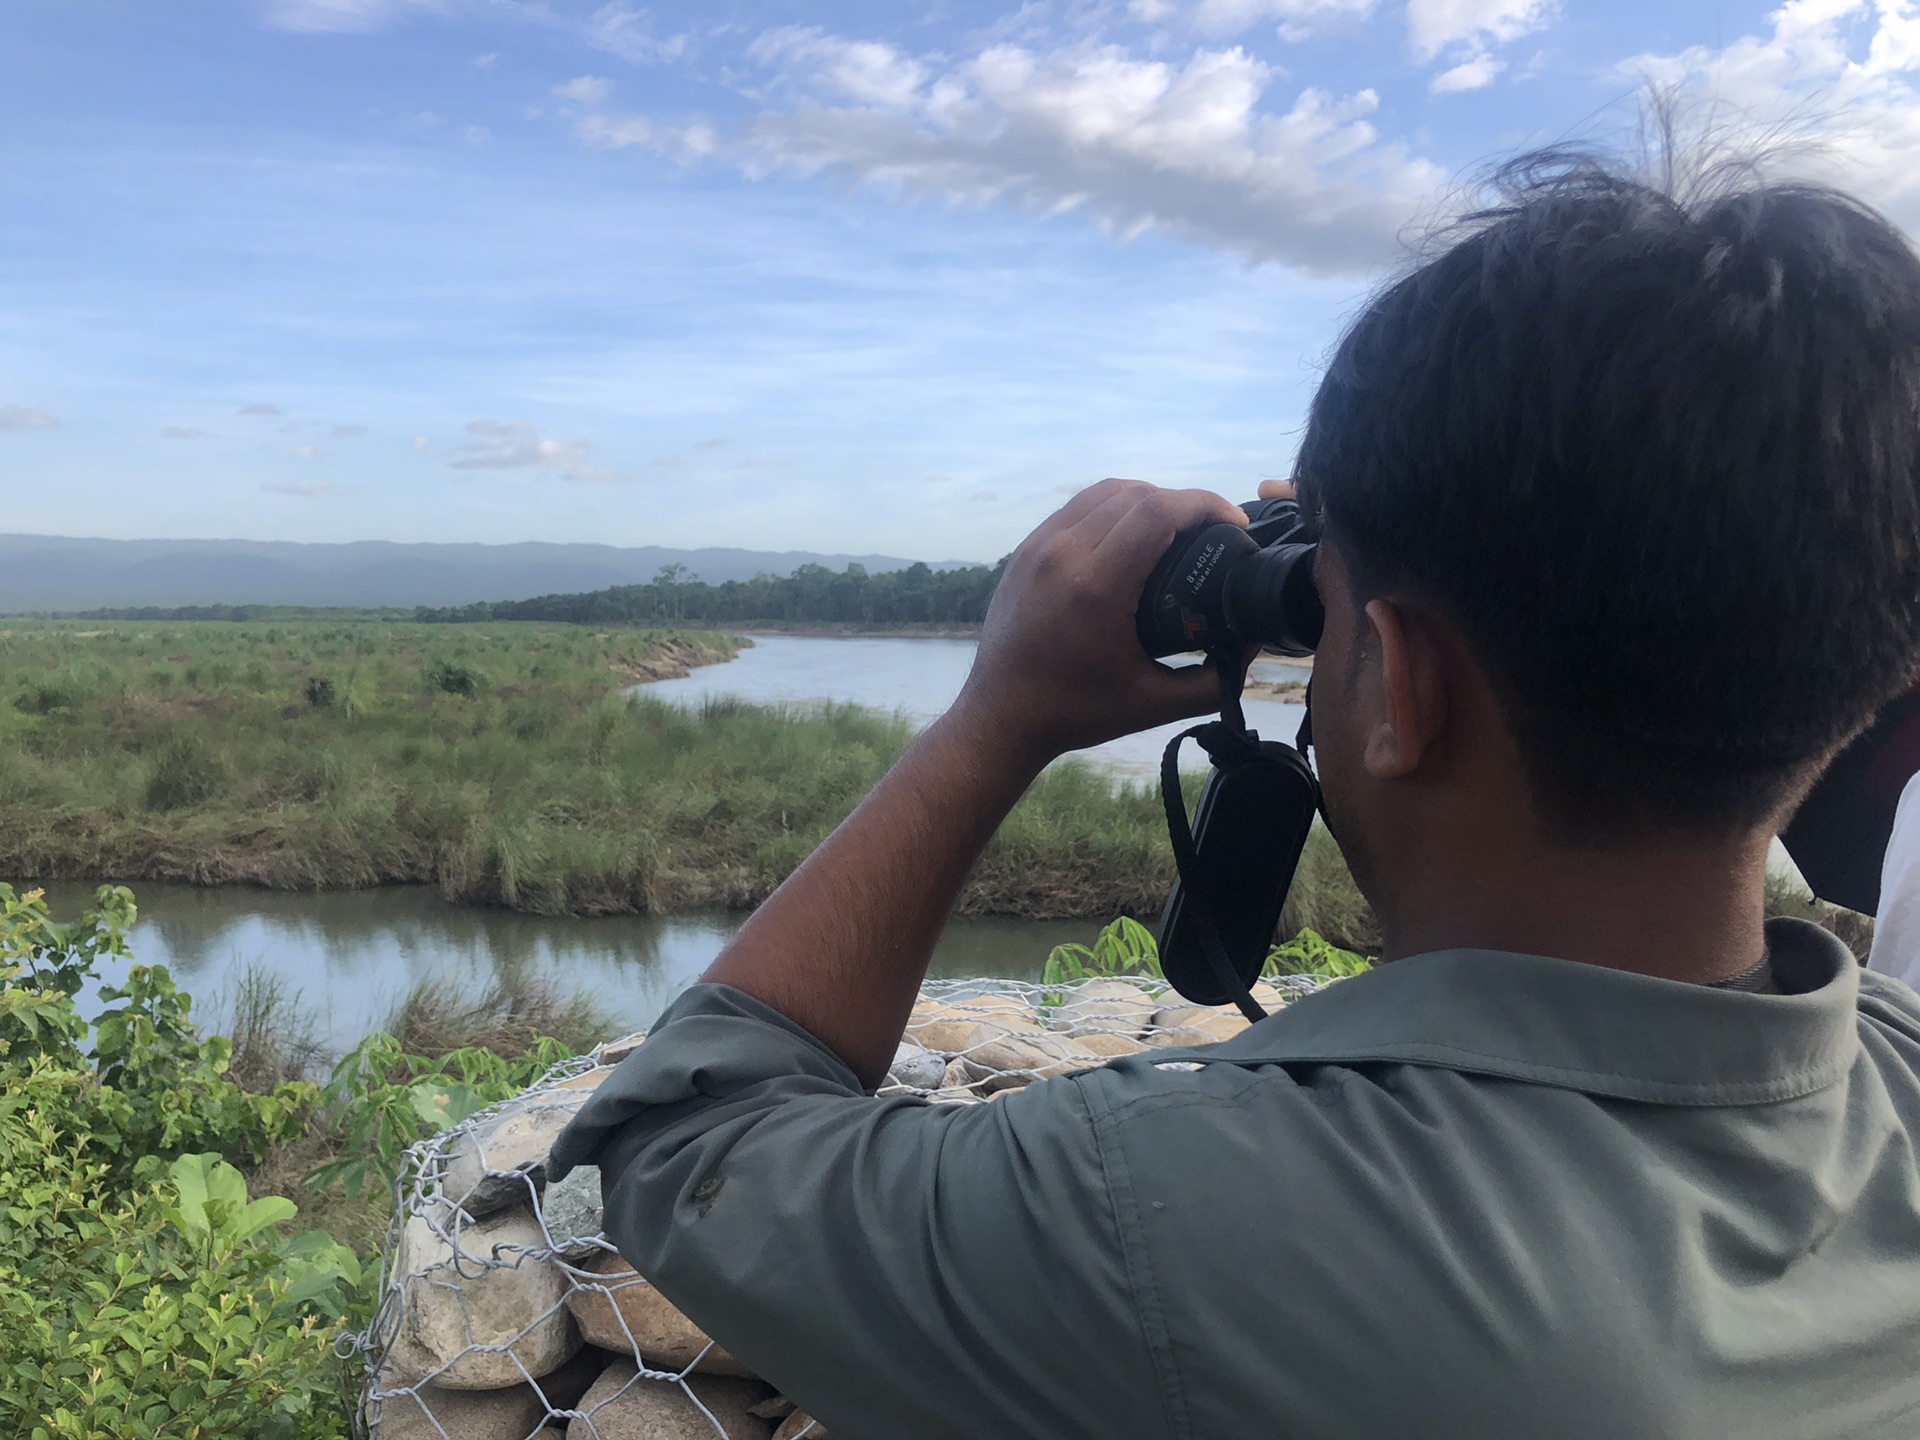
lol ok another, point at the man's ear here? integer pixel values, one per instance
(1409, 683)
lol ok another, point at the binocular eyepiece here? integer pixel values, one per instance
(1219, 585)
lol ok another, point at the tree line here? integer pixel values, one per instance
(917, 595)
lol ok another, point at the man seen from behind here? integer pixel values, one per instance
(1620, 498)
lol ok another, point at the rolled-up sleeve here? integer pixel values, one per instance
(904, 1270)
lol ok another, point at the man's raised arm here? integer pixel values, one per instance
(842, 946)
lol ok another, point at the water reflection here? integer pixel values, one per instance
(918, 679)
(353, 956)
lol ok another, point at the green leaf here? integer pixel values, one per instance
(192, 1177)
(261, 1214)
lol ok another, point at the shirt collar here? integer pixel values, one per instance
(1584, 1027)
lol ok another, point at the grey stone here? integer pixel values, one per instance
(948, 1026)
(514, 1413)
(498, 1191)
(481, 1285)
(1181, 1025)
(917, 1067)
(622, 1406)
(501, 1161)
(431, 1413)
(571, 1208)
(618, 1311)
(614, 1051)
(1001, 1062)
(1104, 1007)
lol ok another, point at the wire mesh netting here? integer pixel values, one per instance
(506, 1314)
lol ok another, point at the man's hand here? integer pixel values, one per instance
(841, 948)
(1060, 666)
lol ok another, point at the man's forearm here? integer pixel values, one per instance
(842, 946)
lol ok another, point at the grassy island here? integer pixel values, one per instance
(500, 763)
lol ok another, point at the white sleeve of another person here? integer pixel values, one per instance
(1896, 931)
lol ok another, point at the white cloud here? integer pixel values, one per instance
(341, 17)
(486, 62)
(313, 491)
(585, 89)
(476, 135)
(516, 445)
(1474, 74)
(864, 71)
(258, 409)
(626, 32)
(348, 432)
(1134, 144)
(1843, 98)
(1296, 17)
(26, 417)
(422, 444)
(609, 133)
(181, 432)
(1151, 11)
(1433, 25)
(304, 452)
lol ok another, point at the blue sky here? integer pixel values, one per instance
(837, 276)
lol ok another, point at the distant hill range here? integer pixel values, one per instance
(42, 573)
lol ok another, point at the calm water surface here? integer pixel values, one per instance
(918, 679)
(352, 956)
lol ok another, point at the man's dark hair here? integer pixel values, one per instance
(1657, 457)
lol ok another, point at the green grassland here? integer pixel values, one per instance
(499, 763)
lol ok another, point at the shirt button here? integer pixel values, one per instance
(708, 1188)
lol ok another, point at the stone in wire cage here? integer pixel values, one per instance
(505, 1313)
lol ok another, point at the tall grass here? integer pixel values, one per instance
(274, 1039)
(438, 1017)
(497, 763)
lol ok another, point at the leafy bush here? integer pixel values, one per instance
(451, 678)
(173, 1311)
(158, 1087)
(141, 1293)
(67, 688)
(385, 1099)
(1126, 947)
(1309, 954)
(185, 772)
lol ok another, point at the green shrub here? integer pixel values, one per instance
(1309, 954)
(185, 772)
(1128, 948)
(171, 1311)
(66, 689)
(451, 678)
(385, 1099)
(141, 1293)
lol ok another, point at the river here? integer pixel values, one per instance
(352, 956)
(919, 679)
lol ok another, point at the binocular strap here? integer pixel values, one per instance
(1225, 740)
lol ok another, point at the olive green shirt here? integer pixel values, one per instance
(1468, 1194)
